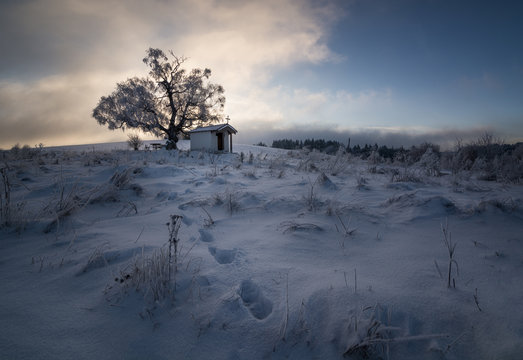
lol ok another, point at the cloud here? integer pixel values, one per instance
(304, 108)
(62, 55)
(241, 39)
(268, 33)
(52, 110)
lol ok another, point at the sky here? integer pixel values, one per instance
(379, 71)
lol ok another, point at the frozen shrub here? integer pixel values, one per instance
(325, 182)
(231, 202)
(149, 275)
(15, 150)
(311, 197)
(374, 158)
(508, 168)
(22, 153)
(430, 162)
(69, 197)
(338, 163)
(134, 142)
(251, 174)
(309, 161)
(480, 164)
(120, 179)
(485, 169)
(277, 163)
(407, 174)
(490, 161)
(228, 199)
(307, 165)
(416, 152)
(155, 275)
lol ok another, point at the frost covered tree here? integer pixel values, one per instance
(168, 102)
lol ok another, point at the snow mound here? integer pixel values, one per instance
(505, 205)
(100, 258)
(411, 205)
(326, 183)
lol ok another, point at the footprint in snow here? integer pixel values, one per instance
(223, 256)
(206, 236)
(253, 298)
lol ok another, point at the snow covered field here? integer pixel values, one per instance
(280, 255)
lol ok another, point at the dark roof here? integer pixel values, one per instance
(215, 128)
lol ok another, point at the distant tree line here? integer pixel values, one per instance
(326, 146)
(331, 147)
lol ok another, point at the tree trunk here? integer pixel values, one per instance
(172, 143)
(172, 137)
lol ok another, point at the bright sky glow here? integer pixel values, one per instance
(428, 70)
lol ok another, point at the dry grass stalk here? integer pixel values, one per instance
(5, 197)
(451, 248)
(174, 227)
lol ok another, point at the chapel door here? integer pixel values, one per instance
(220, 141)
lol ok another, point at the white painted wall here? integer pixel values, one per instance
(203, 141)
(208, 141)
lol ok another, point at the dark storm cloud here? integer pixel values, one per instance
(42, 38)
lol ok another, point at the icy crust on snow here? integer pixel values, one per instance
(281, 255)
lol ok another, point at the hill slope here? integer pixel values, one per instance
(280, 255)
